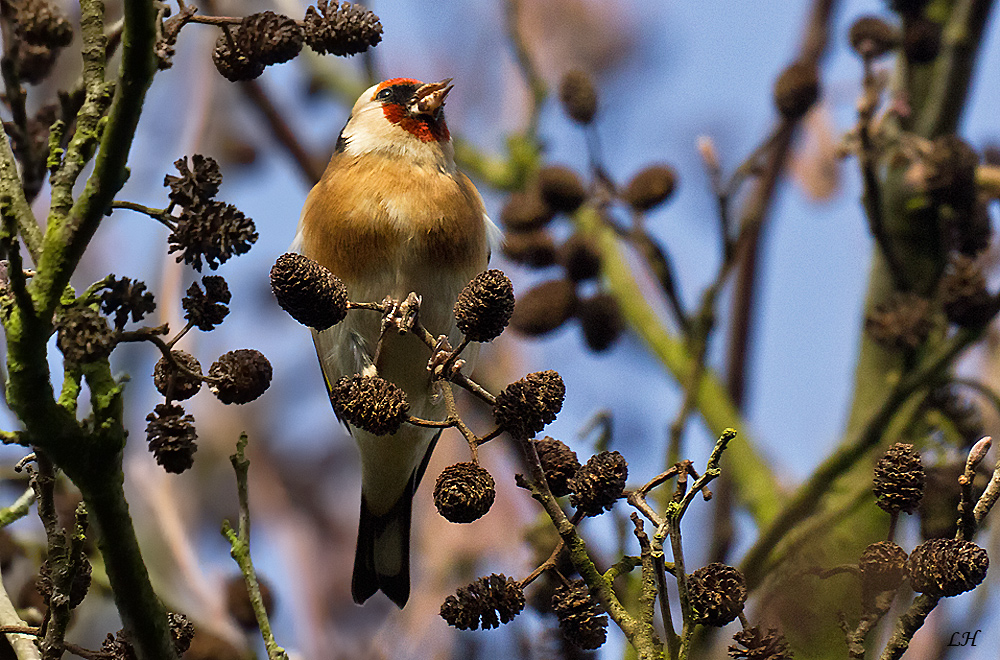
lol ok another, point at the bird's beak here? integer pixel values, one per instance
(429, 98)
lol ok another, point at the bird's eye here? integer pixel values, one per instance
(384, 94)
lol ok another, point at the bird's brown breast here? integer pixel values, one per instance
(373, 211)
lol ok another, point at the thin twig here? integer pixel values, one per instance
(240, 550)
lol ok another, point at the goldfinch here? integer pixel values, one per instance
(393, 215)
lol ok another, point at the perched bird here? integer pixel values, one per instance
(393, 215)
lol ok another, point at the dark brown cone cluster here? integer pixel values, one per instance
(242, 52)
(951, 167)
(526, 211)
(240, 376)
(171, 436)
(123, 298)
(370, 403)
(559, 463)
(947, 567)
(579, 257)
(341, 28)
(717, 593)
(650, 187)
(599, 484)
(464, 492)
(207, 308)
(902, 323)
(486, 603)
(196, 184)
(238, 601)
(963, 292)
(578, 96)
(883, 567)
(41, 23)
(545, 307)
(536, 249)
(796, 89)
(308, 291)
(485, 306)
(119, 646)
(84, 335)
(207, 230)
(899, 479)
(580, 615)
(177, 384)
(758, 645)
(871, 37)
(561, 188)
(601, 321)
(526, 406)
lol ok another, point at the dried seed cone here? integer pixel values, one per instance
(947, 567)
(486, 603)
(197, 183)
(650, 187)
(578, 96)
(276, 38)
(601, 321)
(119, 646)
(42, 23)
(964, 296)
(79, 585)
(207, 309)
(211, 233)
(485, 306)
(309, 292)
(580, 616)
(796, 89)
(464, 492)
(125, 298)
(171, 436)
(245, 374)
(174, 383)
(559, 463)
(370, 403)
(561, 188)
(717, 593)
(341, 28)
(544, 308)
(871, 37)
(758, 645)
(883, 567)
(524, 407)
(526, 211)
(902, 323)
(233, 58)
(899, 479)
(599, 484)
(580, 259)
(535, 249)
(84, 335)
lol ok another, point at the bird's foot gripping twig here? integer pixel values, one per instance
(444, 362)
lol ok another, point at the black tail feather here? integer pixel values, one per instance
(389, 534)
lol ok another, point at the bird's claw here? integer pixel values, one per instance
(401, 315)
(443, 362)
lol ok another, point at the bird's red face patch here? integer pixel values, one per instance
(395, 94)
